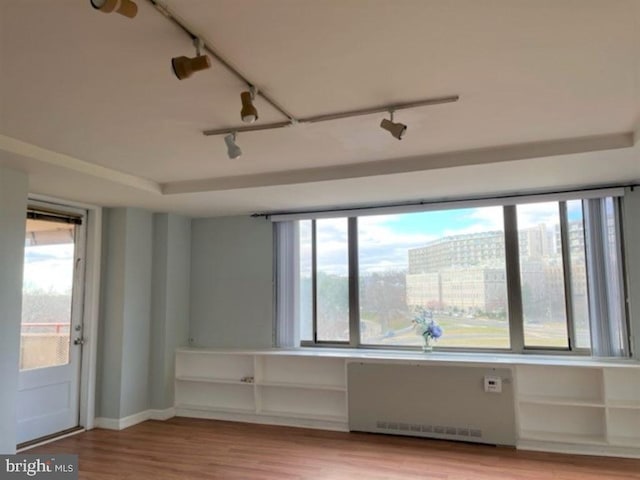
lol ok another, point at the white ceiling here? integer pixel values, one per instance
(549, 97)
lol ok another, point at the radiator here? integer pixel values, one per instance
(436, 401)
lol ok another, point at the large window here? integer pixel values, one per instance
(510, 278)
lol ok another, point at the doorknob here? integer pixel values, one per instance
(78, 341)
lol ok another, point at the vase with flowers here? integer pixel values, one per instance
(427, 328)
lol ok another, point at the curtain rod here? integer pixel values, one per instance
(441, 201)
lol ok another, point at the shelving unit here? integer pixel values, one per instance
(262, 388)
(561, 404)
(565, 408)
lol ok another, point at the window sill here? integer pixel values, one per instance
(431, 357)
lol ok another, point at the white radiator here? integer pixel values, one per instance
(437, 401)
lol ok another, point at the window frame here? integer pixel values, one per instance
(513, 284)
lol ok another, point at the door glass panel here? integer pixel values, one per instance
(46, 294)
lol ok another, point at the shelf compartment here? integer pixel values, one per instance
(202, 408)
(303, 403)
(214, 366)
(624, 427)
(215, 396)
(623, 386)
(562, 423)
(575, 385)
(291, 370)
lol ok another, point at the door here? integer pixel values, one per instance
(51, 335)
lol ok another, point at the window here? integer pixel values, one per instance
(526, 276)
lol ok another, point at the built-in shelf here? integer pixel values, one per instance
(543, 436)
(550, 400)
(212, 380)
(306, 386)
(562, 404)
(203, 408)
(580, 405)
(287, 387)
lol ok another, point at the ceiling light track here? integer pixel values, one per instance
(336, 116)
(162, 8)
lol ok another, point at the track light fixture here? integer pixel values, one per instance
(233, 150)
(249, 114)
(184, 67)
(123, 7)
(396, 129)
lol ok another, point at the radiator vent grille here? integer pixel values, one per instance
(415, 428)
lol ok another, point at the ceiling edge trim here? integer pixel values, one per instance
(409, 164)
(19, 147)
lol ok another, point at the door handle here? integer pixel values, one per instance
(78, 341)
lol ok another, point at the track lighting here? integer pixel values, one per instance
(249, 114)
(184, 67)
(123, 7)
(396, 129)
(233, 150)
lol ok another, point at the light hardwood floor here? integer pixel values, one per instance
(187, 449)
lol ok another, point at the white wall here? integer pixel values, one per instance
(232, 282)
(13, 207)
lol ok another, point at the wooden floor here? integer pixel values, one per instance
(203, 449)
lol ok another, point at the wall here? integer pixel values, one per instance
(126, 314)
(13, 205)
(232, 282)
(170, 303)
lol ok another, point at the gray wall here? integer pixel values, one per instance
(126, 314)
(232, 282)
(631, 214)
(13, 205)
(170, 303)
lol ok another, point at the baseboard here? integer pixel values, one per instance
(165, 414)
(131, 420)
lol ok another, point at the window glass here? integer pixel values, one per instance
(305, 275)
(448, 264)
(332, 279)
(542, 275)
(579, 294)
(46, 294)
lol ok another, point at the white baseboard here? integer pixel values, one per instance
(165, 414)
(131, 420)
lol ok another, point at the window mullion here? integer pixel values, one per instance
(566, 270)
(314, 281)
(354, 297)
(514, 292)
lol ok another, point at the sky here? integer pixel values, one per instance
(48, 267)
(383, 240)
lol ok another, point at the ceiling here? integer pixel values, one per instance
(549, 99)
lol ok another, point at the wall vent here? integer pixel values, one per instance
(414, 428)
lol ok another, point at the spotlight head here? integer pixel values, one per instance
(123, 7)
(396, 129)
(233, 150)
(184, 67)
(249, 114)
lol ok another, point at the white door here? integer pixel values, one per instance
(51, 336)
